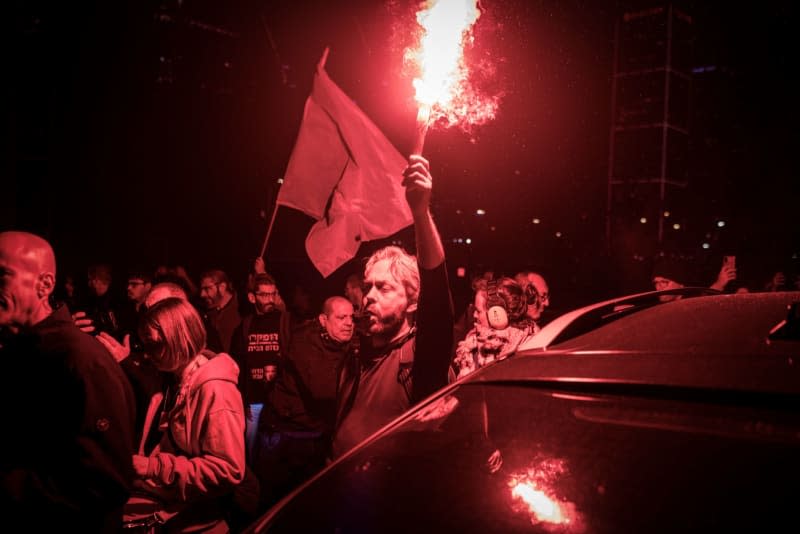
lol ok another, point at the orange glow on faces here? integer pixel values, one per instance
(442, 86)
(532, 492)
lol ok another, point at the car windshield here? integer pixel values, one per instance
(510, 457)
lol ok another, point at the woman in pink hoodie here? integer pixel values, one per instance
(199, 458)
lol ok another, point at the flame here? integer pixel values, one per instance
(532, 492)
(446, 23)
(442, 87)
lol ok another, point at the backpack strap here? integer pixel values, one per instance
(405, 365)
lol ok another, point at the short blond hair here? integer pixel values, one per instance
(403, 267)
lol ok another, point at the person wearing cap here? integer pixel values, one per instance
(672, 273)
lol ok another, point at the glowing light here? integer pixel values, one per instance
(706, 246)
(533, 493)
(720, 224)
(468, 241)
(558, 234)
(676, 226)
(539, 503)
(536, 220)
(643, 220)
(441, 86)
(445, 24)
(461, 272)
(666, 214)
(480, 212)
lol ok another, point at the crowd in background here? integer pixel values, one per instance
(193, 405)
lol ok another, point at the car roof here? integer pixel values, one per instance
(717, 342)
(595, 315)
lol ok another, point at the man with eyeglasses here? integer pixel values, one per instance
(258, 344)
(139, 284)
(538, 295)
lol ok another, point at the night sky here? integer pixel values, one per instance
(145, 132)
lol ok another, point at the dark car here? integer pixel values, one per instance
(628, 416)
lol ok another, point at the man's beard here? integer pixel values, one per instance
(385, 328)
(262, 310)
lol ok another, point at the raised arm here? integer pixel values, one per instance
(418, 183)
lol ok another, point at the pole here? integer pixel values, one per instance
(320, 65)
(269, 231)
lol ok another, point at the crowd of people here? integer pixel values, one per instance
(177, 412)
(192, 409)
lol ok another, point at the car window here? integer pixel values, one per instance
(513, 458)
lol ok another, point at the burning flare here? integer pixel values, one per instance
(442, 88)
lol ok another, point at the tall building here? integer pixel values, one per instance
(649, 139)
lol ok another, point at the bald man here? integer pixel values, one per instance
(303, 407)
(317, 351)
(65, 456)
(337, 318)
(29, 272)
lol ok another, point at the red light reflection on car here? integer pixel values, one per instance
(542, 506)
(532, 492)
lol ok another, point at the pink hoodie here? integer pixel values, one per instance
(201, 454)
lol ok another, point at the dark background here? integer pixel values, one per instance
(145, 133)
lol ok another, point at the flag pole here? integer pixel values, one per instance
(320, 65)
(269, 231)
